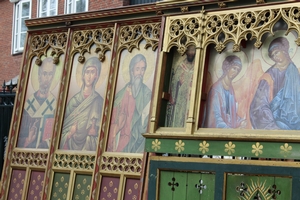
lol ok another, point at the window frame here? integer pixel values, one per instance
(39, 13)
(73, 6)
(17, 26)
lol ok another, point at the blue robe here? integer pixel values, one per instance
(277, 108)
(221, 109)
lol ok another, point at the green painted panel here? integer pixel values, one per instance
(180, 190)
(192, 180)
(225, 148)
(82, 187)
(284, 185)
(60, 186)
(209, 181)
(165, 191)
(248, 187)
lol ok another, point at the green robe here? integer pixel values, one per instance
(140, 118)
(82, 111)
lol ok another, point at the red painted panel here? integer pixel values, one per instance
(36, 185)
(16, 184)
(109, 188)
(132, 189)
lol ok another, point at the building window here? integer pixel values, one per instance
(135, 2)
(47, 8)
(22, 12)
(76, 6)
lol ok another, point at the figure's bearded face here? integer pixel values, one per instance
(45, 77)
(137, 77)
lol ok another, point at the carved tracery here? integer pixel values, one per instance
(83, 40)
(131, 36)
(41, 43)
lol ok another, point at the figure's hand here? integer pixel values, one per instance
(73, 130)
(92, 132)
(243, 124)
(32, 133)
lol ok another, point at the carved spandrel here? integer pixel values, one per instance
(83, 40)
(131, 36)
(41, 43)
(234, 27)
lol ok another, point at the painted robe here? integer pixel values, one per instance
(136, 111)
(178, 106)
(221, 111)
(42, 111)
(86, 112)
(276, 104)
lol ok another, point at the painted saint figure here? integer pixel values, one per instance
(83, 112)
(180, 90)
(276, 104)
(131, 111)
(39, 109)
(221, 111)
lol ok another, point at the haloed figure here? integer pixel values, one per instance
(131, 111)
(83, 112)
(180, 90)
(276, 104)
(39, 109)
(221, 109)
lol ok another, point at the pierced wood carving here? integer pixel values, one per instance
(131, 36)
(128, 165)
(33, 159)
(41, 43)
(83, 40)
(82, 162)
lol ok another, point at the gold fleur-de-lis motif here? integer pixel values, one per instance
(204, 147)
(62, 179)
(84, 181)
(77, 197)
(55, 194)
(109, 195)
(64, 196)
(56, 184)
(136, 186)
(229, 148)
(115, 190)
(104, 189)
(82, 192)
(87, 197)
(285, 149)
(66, 185)
(129, 191)
(60, 190)
(179, 146)
(78, 186)
(111, 184)
(257, 149)
(156, 144)
(39, 177)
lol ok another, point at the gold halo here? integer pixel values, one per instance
(103, 72)
(264, 50)
(34, 73)
(150, 62)
(217, 67)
